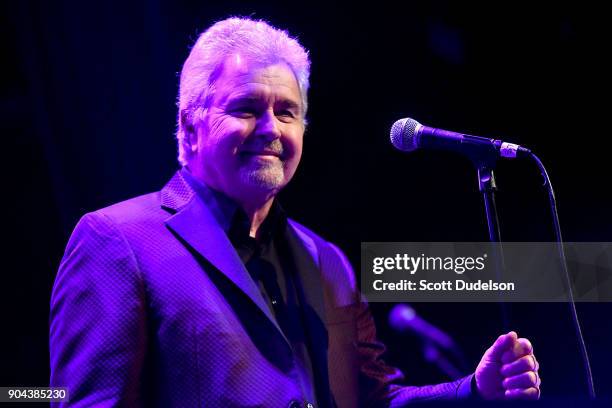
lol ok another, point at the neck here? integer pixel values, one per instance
(257, 215)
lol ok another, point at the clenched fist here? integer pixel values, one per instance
(508, 370)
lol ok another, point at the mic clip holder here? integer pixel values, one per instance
(485, 160)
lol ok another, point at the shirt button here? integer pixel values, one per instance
(294, 404)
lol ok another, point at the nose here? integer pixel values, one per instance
(268, 126)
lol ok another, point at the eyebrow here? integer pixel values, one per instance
(289, 104)
(242, 98)
(285, 103)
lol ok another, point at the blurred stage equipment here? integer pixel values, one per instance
(437, 345)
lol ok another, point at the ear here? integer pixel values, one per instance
(190, 131)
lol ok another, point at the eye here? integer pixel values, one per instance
(285, 114)
(243, 111)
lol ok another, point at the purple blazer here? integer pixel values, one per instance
(153, 307)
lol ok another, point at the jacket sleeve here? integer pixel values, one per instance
(380, 385)
(97, 320)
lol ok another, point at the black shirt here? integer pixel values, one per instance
(261, 257)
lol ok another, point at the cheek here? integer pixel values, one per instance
(224, 134)
(294, 143)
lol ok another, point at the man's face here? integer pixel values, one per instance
(249, 142)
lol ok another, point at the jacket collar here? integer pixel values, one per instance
(184, 186)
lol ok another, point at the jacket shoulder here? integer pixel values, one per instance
(334, 264)
(308, 232)
(144, 208)
(322, 244)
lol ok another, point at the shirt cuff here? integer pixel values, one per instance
(467, 388)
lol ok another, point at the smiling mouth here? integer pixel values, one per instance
(263, 154)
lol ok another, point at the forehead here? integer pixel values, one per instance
(240, 77)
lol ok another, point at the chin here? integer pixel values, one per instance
(264, 179)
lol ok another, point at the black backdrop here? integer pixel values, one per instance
(88, 115)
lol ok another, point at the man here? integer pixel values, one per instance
(205, 294)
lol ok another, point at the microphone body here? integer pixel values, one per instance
(408, 135)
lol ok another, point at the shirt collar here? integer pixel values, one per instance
(272, 226)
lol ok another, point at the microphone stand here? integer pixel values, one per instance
(485, 162)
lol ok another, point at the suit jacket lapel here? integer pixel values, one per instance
(196, 225)
(310, 290)
(305, 253)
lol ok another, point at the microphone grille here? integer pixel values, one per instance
(403, 134)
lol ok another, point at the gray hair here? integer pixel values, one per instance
(257, 42)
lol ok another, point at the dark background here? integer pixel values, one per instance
(88, 116)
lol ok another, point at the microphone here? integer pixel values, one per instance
(407, 135)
